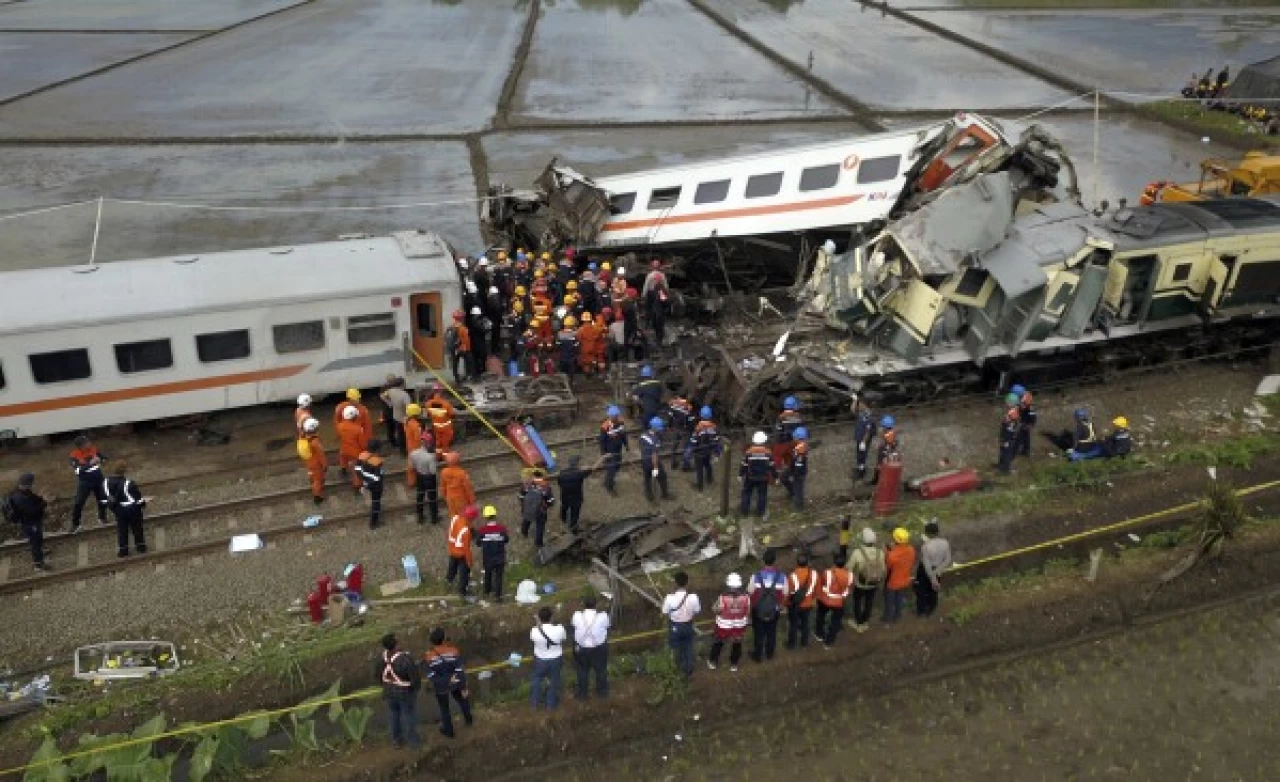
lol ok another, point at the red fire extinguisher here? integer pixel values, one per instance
(888, 488)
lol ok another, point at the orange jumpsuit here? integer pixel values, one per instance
(351, 442)
(317, 465)
(412, 439)
(460, 537)
(456, 487)
(441, 413)
(589, 340)
(362, 417)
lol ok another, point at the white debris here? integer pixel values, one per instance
(240, 543)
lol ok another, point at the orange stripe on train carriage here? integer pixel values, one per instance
(143, 392)
(749, 211)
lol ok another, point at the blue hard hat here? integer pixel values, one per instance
(1081, 414)
(791, 403)
(705, 413)
(1019, 390)
(800, 433)
(612, 410)
(593, 266)
(887, 422)
(646, 371)
(656, 424)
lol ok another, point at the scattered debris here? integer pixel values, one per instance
(242, 543)
(124, 660)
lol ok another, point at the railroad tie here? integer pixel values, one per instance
(82, 554)
(4, 569)
(159, 539)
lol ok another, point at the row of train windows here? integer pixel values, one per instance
(880, 169)
(61, 366)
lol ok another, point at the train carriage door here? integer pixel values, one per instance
(426, 335)
(1220, 267)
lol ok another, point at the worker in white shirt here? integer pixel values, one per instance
(591, 648)
(548, 658)
(680, 607)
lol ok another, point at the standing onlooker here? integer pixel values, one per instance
(448, 678)
(493, 539)
(1027, 418)
(548, 657)
(733, 614)
(591, 648)
(866, 562)
(900, 563)
(680, 607)
(126, 502)
(651, 466)
(935, 557)
(864, 432)
(400, 684)
(802, 593)
(1010, 426)
(831, 598)
(571, 481)
(426, 467)
(768, 591)
(26, 509)
(535, 499)
(397, 401)
(86, 462)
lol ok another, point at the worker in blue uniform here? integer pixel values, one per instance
(1009, 429)
(1026, 419)
(756, 473)
(1084, 441)
(651, 459)
(613, 441)
(797, 470)
(864, 434)
(704, 445)
(679, 424)
(783, 431)
(648, 394)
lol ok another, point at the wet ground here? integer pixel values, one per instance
(324, 105)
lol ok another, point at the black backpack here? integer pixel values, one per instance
(766, 608)
(9, 510)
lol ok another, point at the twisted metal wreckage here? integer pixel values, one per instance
(979, 253)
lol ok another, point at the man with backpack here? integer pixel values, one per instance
(866, 562)
(26, 509)
(768, 590)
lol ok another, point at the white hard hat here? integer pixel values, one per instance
(462, 263)
(475, 310)
(560, 312)
(622, 272)
(310, 425)
(493, 290)
(483, 261)
(350, 414)
(734, 581)
(759, 438)
(868, 536)
(471, 286)
(304, 400)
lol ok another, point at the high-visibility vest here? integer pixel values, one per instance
(389, 675)
(835, 587)
(735, 612)
(459, 536)
(811, 583)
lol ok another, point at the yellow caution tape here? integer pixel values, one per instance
(465, 403)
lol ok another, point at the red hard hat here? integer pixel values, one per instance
(632, 293)
(471, 513)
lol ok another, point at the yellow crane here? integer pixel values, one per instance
(1256, 174)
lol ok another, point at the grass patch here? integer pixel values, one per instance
(1219, 126)
(1237, 452)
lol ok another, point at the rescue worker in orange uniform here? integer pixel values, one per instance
(301, 414)
(316, 461)
(802, 593)
(412, 436)
(590, 339)
(441, 414)
(352, 441)
(362, 413)
(601, 344)
(455, 484)
(460, 534)
(832, 593)
(86, 463)
(460, 348)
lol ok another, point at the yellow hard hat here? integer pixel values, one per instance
(353, 394)
(537, 275)
(901, 536)
(413, 410)
(520, 291)
(607, 266)
(517, 306)
(572, 285)
(570, 299)
(1120, 422)
(490, 512)
(502, 255)
(546, 256)
(570, 321)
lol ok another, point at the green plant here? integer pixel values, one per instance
(669, 682)
(963, 614)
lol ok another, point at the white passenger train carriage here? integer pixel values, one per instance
(834, 184)
(130, 341)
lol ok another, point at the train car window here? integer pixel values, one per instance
(144, 356)
(222, 346)
(764, 185)
(297, 337)
(60, 366)
(819, 177)
(622, 203)
(711, 192)
(878, 169)
(426, 313)
(1182, 272)
(363, 329)
(664, 198)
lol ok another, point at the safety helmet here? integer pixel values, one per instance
(646, 371)
(350, 414)
(622, 271)
(471, 286)
(537, 274)
(459, 314)
(759, 438)
(571, 285)
(311, 426)
(891, 436)
(304, 400)
(520, 290)
(606, 266)
(493, 290)
(1017, 389)
(475, 311)
(705, 413)
(655, 264)
(791, 403)
(1011, 399)
(632, 293)
(800, 433)
(1081, 414)
(561, 312)
(490, 512)
(502, 255)
(592, 266)
(887, 422)
(901, 536)
(733, 580)
(353, 394)
(1120, 422)
(613, 411)
(546, 256)
(517, 306)
(570, 321)
(484, 261)
(413, 410)
(1011, 414)
(470, 513)
(656, 424)
(453, 458)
